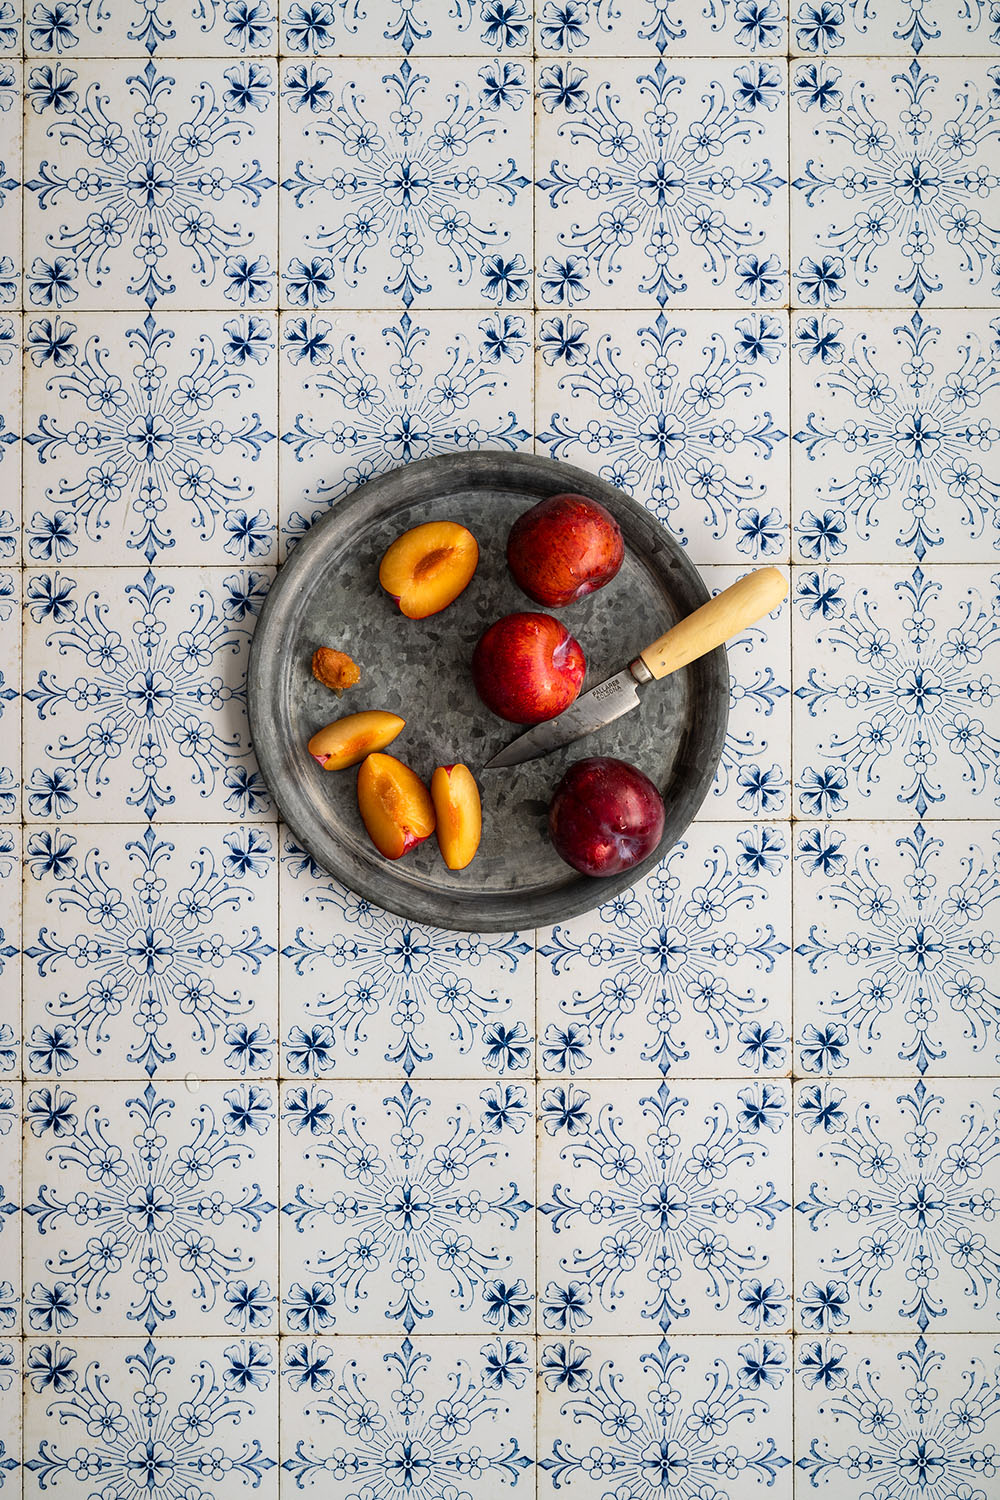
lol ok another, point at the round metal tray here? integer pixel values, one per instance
(327, 594)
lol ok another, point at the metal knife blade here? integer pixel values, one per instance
(609, 700)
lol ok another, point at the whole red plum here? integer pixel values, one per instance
(605, 816)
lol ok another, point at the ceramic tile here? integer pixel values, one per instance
(137, 700)
(895, 1189)
(753, 776)
(10, 1416)
(184, 205)
(897, 28)
(895, 199)
(894, 440)
(10, 953)
(137, 28)
(407, 1202)
(409, 28)
(149, 1208)
(894, 690)
(659, 187)
(151, 438)
(459, 1409)
(10, 456)
(10, 1304)
(10, 684)
(11, 169)
(199, 1413)
(362, 393)
(407, 186)
(878, 1413)
(664, 1204)
(10, 31)
(690, 964)
(10, 1247)
(617, 1415)
(895, 948)
(365, 994)
(743, 29)
(646, 402)
(10, 1287)
(154, 952)
(740, 258)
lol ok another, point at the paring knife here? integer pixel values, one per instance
(712, 625)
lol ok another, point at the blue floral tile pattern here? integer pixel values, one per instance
(753, 779)
(10, 707)
(896, 949)
(367, 994)
(646, 1188)
(10, 465)
(10, 1413)
(148, 438)
(630, 1416)
(145, 715)
(405, 186)
(641, 401)
(10, 1250)
(894, 692)
(738, 28)
(364, 392)
(413, 1414)
(895, 441)
(11, 178)
(897, 1415)
(10, 1300)
(659, 188)
(401, 28)
(198, 1413)
(690, 962)
(691, 1197)
(894, 171)
(406, 1208)
(10, 953)
(10, 33)
(152, 951)
(149, 1208)
(151, 182)
(896, 1206)
(895, 27)
(130, 28)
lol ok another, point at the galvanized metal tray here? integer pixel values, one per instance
(327, 594)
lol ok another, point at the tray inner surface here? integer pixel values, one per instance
(420, 670)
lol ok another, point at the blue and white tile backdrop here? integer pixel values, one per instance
(696, 1197)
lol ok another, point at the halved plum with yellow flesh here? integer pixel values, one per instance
(395, 806)
(348, 740)
(459, 814)
(427, 567)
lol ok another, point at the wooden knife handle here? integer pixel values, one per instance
(716, 622)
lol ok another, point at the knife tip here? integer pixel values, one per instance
(504, 759)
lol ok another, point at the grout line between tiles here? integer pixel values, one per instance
(791, 769)
(22, 70)
(644, 1080)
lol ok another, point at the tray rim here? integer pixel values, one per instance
(582, 894)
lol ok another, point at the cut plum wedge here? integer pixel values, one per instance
(427, 567)
(395, 806)
(348, 740)
(459, 814)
